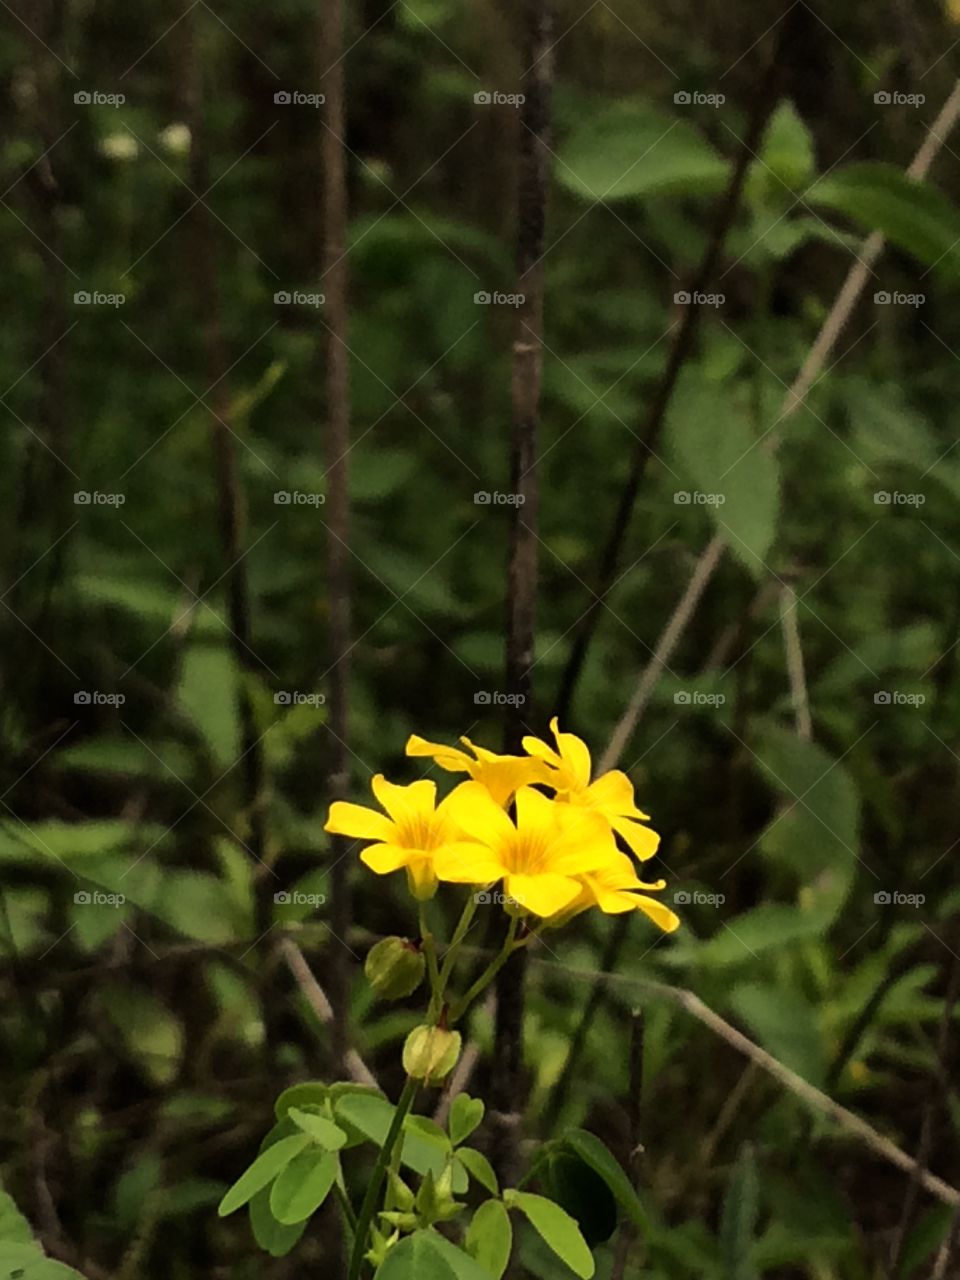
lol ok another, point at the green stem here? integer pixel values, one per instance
(384, 1156)
(346, 1208)
(450, 957)
(429, 951)
(493, 968)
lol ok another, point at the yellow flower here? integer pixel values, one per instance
(611, 796)
(411, 833)
(615, 889)
(538, 857)
(501, 775)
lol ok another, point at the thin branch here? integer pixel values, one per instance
(336, 452)
(318, 1001)
(795, 669)
(534, 168)
(800, 1088)
(833, 326)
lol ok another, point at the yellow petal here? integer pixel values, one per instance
(574, 752)
(661, 916)
(467, 863)
(449, 758)
(642, 841)
(535, 811)
(357, 820)
(405, 804)
(583, 843)
(384, 858)
(538, 748)
(544, 895)
(614, 792)
(478, 815)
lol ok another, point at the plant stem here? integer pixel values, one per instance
(493, 968)
(429, 951)
(346, 1208)
(450, 956)
(384, 1156)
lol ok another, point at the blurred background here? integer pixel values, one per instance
(165, 725)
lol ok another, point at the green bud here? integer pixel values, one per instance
(402, 1221)
(394, 968)
(402, 1195)
(430, 1053)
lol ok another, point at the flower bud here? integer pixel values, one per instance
(430, 1053)
(394, 968)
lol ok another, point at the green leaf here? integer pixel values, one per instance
(371, 1115)
(490, 1237)
(208, 694)
(913, 215)
(428, 1129)
(27, 1262)
(818, 829)
(739, 1217)
(330, 1136)
(595, 1154)
(582, 1192)
(630, 150)
(479, 1168)
(302, 1186)
(426, 1255)
(200, 905)
(309, 1093)
(787, 148)
(14, 1228)
(556, 1228)
(729, 472)
(263, 1170)
(465, 1114)
(153, 1036)
(785, 1024)
(272, 1236)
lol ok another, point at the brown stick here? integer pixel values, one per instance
(319, 1002)
(336, 449)
(800, 1088)
(534, 139)
(817, 357)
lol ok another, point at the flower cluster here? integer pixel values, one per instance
(536, 822)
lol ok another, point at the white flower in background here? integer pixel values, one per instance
(119, 146)
(176, 138)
